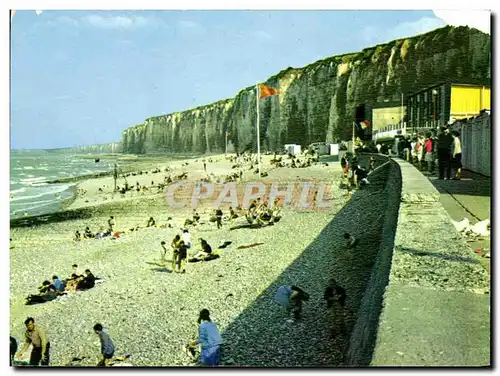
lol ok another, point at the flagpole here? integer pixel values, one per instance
(353, 134)
(258, 129)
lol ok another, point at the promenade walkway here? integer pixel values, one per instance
(436, 306)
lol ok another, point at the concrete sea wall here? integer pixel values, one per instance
(427, 300)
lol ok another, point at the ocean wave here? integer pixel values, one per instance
(53, 191)
(18, 190)
(33, 180)
(14, 212)
(19, 205)
(28, 168)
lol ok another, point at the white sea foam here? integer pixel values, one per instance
(17, 190)
(32, 180)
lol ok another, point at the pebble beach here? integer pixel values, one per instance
(150, 312)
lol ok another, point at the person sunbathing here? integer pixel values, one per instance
(205, 250)
(48, 296)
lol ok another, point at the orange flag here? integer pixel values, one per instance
(266, 91)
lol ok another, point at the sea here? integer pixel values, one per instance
(31, 170)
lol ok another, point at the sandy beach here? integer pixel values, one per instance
(151, 312)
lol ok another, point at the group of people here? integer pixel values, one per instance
(87, 234)
(292, 298)
(261, 214)
(51, 290)
(359, 175)
(37, 337)
(180, 245)
(446, 149)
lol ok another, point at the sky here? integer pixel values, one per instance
(82, 77)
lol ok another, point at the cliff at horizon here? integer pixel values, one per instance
(318, 102)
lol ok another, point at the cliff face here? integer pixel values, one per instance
(112, 147)
(318, 102)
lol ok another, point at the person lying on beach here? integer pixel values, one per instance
(151, 222)
(205, 250)
(48, 296)
(78, 236)
(87, 233)
(291, 298)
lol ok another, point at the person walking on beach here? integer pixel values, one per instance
(181, 257)
(175, 249)
(163, 253)
(111, 224)
(218, 218)
(107, 346)
(37, 337)
(209, 339)
(204, 166)
(186, 237)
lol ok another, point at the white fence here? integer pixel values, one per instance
(475, 135)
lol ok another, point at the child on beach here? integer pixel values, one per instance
(163, 253)
(209, 339)
(107, 346)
